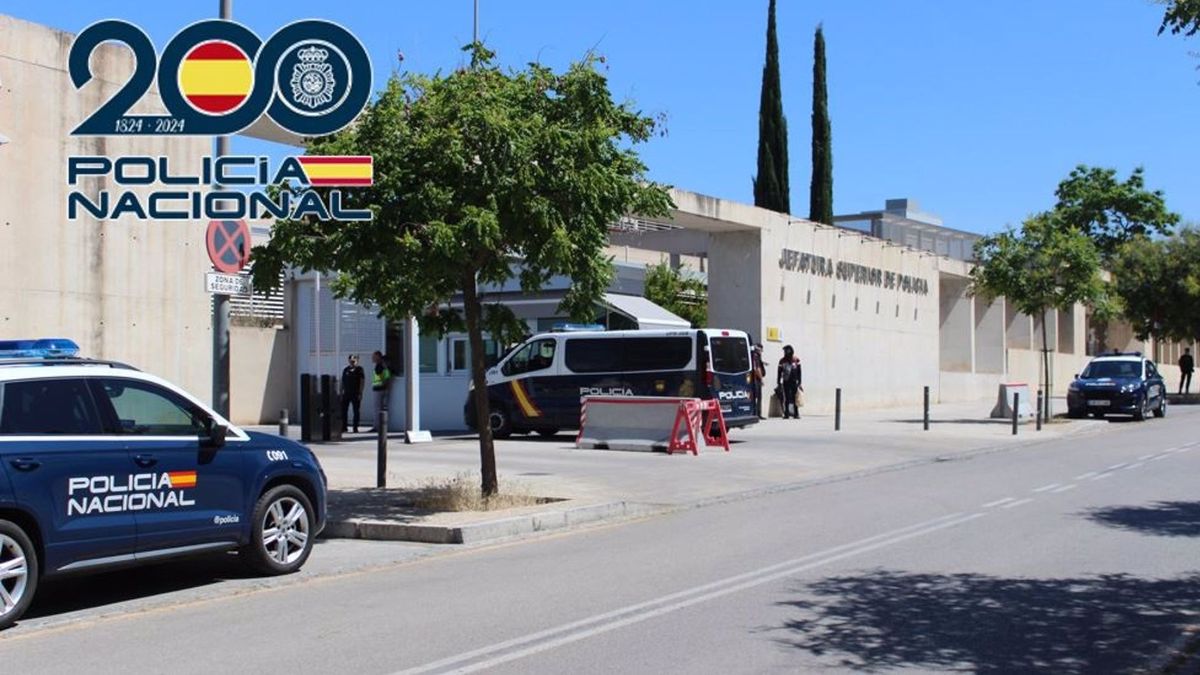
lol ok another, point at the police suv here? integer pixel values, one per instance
(102, 466)
(1121, 384)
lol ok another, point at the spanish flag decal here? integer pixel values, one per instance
(523, 401)
(339, 170)
(182, 480)
(216, 77)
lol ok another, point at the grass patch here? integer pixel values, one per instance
(462, 493)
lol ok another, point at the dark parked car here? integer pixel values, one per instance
(1118, 384)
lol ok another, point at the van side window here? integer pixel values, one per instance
(41, 407)
(595, 355)
(532, 357)
(657, 353)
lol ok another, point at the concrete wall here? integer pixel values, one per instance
(128, 290)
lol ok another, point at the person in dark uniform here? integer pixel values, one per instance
(789, 379)
(353, 382)
(758, 373)
(1186, 365)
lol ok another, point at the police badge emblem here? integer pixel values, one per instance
(312, 78)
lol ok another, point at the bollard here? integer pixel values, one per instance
(283, 423)
(837, 409)
(381, 426)
(1039, 412)
(1016, 410)
(926, 408)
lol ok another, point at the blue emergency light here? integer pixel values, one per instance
(42, 348)
(575, 327)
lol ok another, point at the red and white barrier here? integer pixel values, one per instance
(650, 423)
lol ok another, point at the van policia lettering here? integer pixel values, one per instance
(135, 492)
(203, 195)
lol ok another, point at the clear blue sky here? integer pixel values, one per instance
(976, 109)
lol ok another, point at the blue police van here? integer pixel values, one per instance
(103, 466)
(539, 385)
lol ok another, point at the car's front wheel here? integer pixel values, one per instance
(1142, 409)
(282, 537)
(1161, 410)
(18, 572)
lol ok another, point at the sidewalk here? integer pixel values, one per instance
(596, 484)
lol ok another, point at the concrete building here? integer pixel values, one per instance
(903, 222)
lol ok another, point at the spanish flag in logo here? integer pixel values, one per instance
(182, 480)
(339, 170)
(216, 77)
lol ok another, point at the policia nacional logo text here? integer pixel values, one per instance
(87, 495)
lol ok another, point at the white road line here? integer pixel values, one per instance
(608, 621)
(1046, 488)
(998, 502)
(1146, 456)
(1107, 474)
(1186, 448)
(1114, 467)
(1135, 465)
(1070, 486)
(1159, 457)
(1085, 476)
(1017, 503)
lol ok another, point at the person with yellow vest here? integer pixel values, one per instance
(381, 381)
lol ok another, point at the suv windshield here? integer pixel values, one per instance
(1114, 369)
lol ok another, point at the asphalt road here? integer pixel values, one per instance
(1079, 555)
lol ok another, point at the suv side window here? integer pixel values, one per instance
(146, 409)
(40, 407)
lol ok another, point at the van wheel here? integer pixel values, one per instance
(500, 421)
(548, 433)
(282, 537)
(18, 573)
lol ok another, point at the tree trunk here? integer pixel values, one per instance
(1046, 365)
(487, 448)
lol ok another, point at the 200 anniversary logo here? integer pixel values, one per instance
(216, 78)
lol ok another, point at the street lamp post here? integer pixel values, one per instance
(220, 305)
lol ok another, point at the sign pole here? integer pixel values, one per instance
(220, 305)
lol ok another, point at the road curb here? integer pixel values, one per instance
(500, 528)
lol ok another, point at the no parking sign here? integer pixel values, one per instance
(228, 243)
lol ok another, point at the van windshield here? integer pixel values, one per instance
(729, 354)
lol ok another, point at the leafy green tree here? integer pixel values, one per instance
(1110, 211)
(1158, 283)
(678, 292)
(1181, 16)
(771, 190)
(1047, 265)
(481, 175)
(820, 204)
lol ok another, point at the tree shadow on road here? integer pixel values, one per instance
(987, 624)
(1172, 519)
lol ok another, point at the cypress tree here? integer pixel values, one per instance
(820, 205)
(771, 189)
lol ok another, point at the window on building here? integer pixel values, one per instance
(460, 353)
